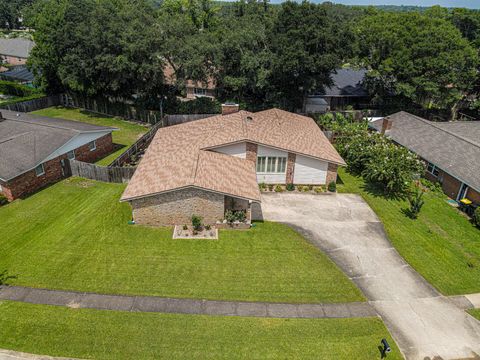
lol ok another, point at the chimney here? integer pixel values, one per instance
(386, 125)
(230, 108)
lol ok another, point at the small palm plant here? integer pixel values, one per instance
(415, 199)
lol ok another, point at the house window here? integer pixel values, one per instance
(200, 91)
(92, 145)
(271, 164)
(71, 155)
(432, 169)
(39, 170)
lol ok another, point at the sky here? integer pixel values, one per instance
(473, 4)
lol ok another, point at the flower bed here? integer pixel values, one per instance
(307, 189)
(188, 232)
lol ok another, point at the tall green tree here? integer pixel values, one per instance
(11, 13)
(307, 44)
(105, 47)
(422, 59)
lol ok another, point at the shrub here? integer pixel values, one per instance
(394, 167)
(230, 216)
(196, 222)
(240, 215)
(290, 187)
(185, 227)
(262, 186)
(332, 186)
(3, 200)
(16, 89)
(476, 216)
(415, 199)
(270, 187)
(278, 188)
(319, 189)
(4, 277)
(208, 227)
(432, 186)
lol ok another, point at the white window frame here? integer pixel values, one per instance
(277, 162)
(71, 152)
(42, 171)
(94, 143)
(199, 91)
(435, 171)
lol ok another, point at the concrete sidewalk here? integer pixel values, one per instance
(184, 306)
(15, 355)
(425, 324)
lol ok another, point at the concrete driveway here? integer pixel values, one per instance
(425, 324)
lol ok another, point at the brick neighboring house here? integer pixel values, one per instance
(451, 150)
(33, 150)
(193, 89)
(15, 51)
(208, 166)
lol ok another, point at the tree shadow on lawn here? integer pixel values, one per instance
(93, 114)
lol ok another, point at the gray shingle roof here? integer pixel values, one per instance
(17, 47)
(27, 140)
(18, 73)
(453, 147)
(346, 82)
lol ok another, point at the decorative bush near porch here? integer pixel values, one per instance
(75, 235)
(97, 334)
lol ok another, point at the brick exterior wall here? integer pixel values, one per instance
(450, 185)
(473, 195)
(29, 182)
(252, 150)
(331, 173)
(104, 146)
(12, 60)
(177, 207)
(290, 167)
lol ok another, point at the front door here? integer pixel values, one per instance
(462, 192)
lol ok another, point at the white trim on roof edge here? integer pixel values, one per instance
(273, 147)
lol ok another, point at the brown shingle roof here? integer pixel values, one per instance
(179, 155)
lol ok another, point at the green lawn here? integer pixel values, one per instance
(127, 134)
(441, 244)
(475, 313)
(84, 333)
(74, 235)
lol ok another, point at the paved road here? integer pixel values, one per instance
(424, 323)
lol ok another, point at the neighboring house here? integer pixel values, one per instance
(208, 166)
(194, 89)
(33, 150)
(15, 51)
(18, 74)
(451, 150)
(347, 90)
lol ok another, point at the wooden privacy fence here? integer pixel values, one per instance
(111, 108)
(101, 173)
(34, 104)
(139, 146)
